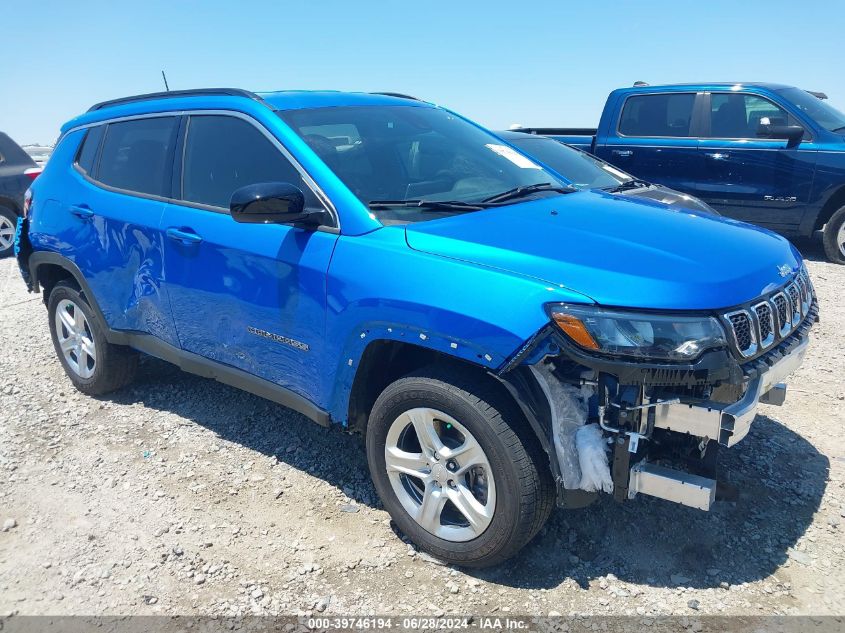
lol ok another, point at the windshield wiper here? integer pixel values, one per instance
(426, 205)
(520, 192)
(839, 129)
(628, 184)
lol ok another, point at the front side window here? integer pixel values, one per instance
(580, 168)
(225, 153)
(819, 111)
(393, 157)
(734, 115)
(88, 149)
(136, 155)
(657, 115)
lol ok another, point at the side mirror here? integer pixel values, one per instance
(792, 134)
(271, 203)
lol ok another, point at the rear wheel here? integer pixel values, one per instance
(8, 223)
(834, 237)
(454, 467)
(93, 365)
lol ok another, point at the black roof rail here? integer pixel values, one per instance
(173, 94)
(398, 95)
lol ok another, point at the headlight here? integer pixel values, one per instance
(641, 335)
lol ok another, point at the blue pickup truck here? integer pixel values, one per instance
(768, 154)
(504, 341)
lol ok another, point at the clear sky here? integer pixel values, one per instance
(535, 63)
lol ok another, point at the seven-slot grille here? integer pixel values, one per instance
(758, 326)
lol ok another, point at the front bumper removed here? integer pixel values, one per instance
(727, 423)
(730, 423)
(663, 425)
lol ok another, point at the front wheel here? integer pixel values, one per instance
(454, 465)
(834, 237)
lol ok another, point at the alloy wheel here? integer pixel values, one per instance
(75, 338)
(840, 239)
(7, 233)
(440, 474)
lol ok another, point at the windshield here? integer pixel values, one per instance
(579, 168)
(825, 115)
(390, 154)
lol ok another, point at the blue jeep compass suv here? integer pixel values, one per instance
(503, 340)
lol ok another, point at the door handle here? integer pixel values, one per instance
(717, 155)
(186, 236)
(622, 153)
(82, 212)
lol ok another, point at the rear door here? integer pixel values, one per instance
(252, 296)
(754, 179)
(656, 139)
(112, 211)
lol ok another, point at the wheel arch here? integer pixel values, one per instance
(831, 206)
(47, 269)
(11, 203)
(385, 361)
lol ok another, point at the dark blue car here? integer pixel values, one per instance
(768, 154)
(378, 262)
(585, 171)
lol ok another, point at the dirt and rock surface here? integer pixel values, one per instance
(179, 495)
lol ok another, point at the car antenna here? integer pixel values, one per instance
(638, 84)
(163, 76)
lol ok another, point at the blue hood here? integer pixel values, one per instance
(618, 251)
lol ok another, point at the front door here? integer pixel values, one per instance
(252, 296)
(753, 179)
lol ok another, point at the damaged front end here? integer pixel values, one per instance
(620, 411)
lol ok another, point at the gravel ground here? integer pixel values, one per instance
(179, 495)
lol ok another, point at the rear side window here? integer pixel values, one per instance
(225, 153)
(136, 155)
(657, 115)
(88, 149)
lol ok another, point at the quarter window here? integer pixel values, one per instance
(136, 154)
(657, 115)
(88, 149)
(225, 153)
(740, 115)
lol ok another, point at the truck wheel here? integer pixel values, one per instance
(93, 365)
(834, 237)
(456, 468)
(8, 223)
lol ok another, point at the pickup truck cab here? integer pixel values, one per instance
(384, 264)
(768, 154)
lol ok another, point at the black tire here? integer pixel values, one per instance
(525, 492)
(114, 365)
(7, 216)
(833, 239)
